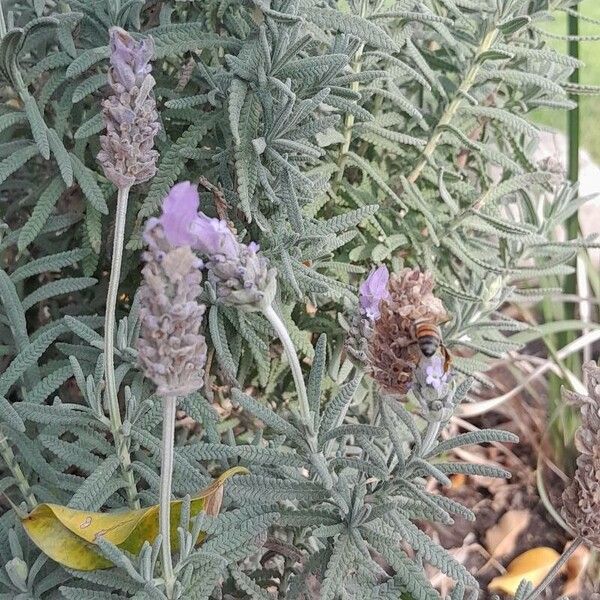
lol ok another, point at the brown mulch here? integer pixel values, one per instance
(490, 499)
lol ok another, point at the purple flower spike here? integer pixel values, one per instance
(372, 291)
(127, 152)
(180, 211)
(435, 375)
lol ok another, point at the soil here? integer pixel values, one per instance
(490, 500)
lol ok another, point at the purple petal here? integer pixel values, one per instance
(434, 373)
(122, 56)
(180, 210)
(436, 384)
(373, 290)
(213, 237)
(436, 365)
(142, 57)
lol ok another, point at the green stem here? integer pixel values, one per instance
(573, 129)
(318, 459)
(14, 467)
(109, 349)
(166, 478)
(349, 120)
(555, 569)
(453, 107)
(3, 29)
(292, 356)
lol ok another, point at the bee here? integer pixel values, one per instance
(429, 339)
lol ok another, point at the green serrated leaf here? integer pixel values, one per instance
(342, 22)
(62, 157)
(87, 181)
(92, 126)
(37, 124)
(16, 160)
(41, 211)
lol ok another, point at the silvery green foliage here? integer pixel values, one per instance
(337, 136)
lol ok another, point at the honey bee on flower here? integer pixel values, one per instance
(399, 325)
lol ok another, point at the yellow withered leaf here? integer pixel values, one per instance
(532, 565)
(68, 536)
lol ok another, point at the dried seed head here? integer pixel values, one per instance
(171, 349)
(127, 155)
(392, 354)
(581, 499)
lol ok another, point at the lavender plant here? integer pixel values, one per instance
(326, 139)
(127, 158)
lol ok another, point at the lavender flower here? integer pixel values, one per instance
(127, 155)
(185, 226)
(171, 349)
(381, 335)
(239, 273)
(214, 237)
(393, 355)
(179, 211)
(435, 376)
(373, 291)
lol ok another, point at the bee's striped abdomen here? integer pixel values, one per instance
(429, 338)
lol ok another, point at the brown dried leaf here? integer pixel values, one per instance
(501, 539)
(575, 571)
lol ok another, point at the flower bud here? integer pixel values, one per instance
(243, 279)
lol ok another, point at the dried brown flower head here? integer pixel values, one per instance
(127, 155)
(392, 356)
(581, 500)
(171, 349)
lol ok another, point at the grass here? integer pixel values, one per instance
(590, 74)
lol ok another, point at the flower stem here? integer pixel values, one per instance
(555, 569)
(349, 120)
(290, 351)
(453, 107)
(2, 22)
(14, 467)
(166, 477)
(109, 349)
